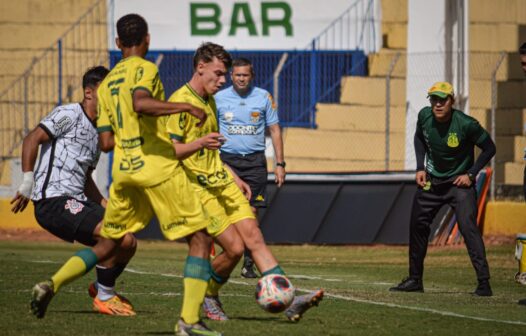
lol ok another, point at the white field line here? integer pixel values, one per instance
(354, 299)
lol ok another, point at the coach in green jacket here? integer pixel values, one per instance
(445, 138)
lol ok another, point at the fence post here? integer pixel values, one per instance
(277, 72)
(59, 49)
(493, 112)
(388, 110)
(313, 82)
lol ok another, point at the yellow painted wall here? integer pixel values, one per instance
(505, 218)
(23, 220)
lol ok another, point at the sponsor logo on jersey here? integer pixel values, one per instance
(254, 116)
(452, 140)
(175, 224)
(242, 130)
(74, 206)
(229, 116)
(62, 123)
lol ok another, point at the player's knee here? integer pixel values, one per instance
(129, 244)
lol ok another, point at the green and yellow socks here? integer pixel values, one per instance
(196, 278)
(76, 266)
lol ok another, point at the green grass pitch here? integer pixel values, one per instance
(356, 280)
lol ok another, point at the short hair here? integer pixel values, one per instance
(131, 29)
(238, 62)
(522, 49)
(208, 50)
(94, 76)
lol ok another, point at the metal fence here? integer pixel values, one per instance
(52, 78)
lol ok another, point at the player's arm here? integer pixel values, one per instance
(243, 186)
(420, 154)
(488, 150)
(211, 141)
(29, 156)
(92, 191)
(144, 103)
(277, 143)
(106, 141)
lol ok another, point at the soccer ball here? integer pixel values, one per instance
(274, 293)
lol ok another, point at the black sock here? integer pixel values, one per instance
(108, 276)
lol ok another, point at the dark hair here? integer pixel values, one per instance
(131, 29)
(522, 49)
(94, 76)
(208, 50)
(243, 62)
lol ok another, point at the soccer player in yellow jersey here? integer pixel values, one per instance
(147, 178)
(214, 182)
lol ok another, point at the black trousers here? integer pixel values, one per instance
(426, 205)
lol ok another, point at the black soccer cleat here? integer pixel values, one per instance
(409, 285)
(483, 289)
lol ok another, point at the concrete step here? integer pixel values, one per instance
(302, 165)
(519, 145)
(394, 35)
(513, 173)
(510, 94)
(394, 11)
(380, 63)
(49, 11)
(338, 145)
(372, 91)
(482, 65)
(496, 37)
(507, 121)
(358, 118)
(503, 11)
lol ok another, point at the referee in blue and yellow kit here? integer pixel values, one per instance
(244, 113)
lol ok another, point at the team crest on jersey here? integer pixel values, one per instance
(74, 206)
(229, 116)
(452, 140)
(254, 117)
(138, 74)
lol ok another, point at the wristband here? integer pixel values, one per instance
(27, 184)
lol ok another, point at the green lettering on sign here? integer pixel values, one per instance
(284, 22)
(236, 22)
(196, 20)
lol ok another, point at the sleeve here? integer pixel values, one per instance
(271, 112)
(475, 133)
(488, 151)
(104, 123)
(420, 147)
(60, 121)
(146, 78)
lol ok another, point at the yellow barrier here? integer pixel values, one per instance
(24, 220)
(505, 218)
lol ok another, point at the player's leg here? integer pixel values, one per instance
(425, 206)
(181, 214)
(66, 217)
(465, 204)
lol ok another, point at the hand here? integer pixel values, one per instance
(199, 114)
(463, 181)
(279, 173)
(212, 141)
(20, 203)
(244, 187)
(421, 178)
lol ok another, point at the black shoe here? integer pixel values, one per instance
(483, 289)
(408, 285)
(522, 302)
(248, 270)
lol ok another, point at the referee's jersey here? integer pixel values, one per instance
(243, 119)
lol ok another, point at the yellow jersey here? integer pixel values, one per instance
(143, 154)
(204, 167)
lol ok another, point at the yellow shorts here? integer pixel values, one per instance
(174, 202)
(225, 205)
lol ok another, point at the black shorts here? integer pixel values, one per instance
(69, 219)
(251, 168)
